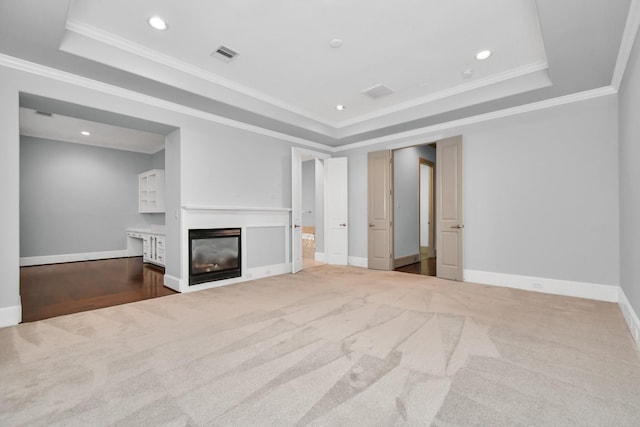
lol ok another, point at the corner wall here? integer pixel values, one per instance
(10, 309)
(629, 105)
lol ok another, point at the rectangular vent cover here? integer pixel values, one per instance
(378, 91)
(224, 53)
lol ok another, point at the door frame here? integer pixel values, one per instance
(299, 155)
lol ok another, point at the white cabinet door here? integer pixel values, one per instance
(146, 248)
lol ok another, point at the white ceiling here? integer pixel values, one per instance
(287, 78)
(418, 48)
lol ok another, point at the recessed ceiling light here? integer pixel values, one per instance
(158, 23)
(483, 54)
(85, 133)
(335, 43)
(340, 107)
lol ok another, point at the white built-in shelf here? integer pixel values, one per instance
(151, 191)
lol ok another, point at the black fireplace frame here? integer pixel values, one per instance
(212, 233)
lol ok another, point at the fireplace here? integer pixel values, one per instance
(215, 254)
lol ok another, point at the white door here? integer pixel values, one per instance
(336, 211)
(449, 208)
(296, 210)
(380, 212)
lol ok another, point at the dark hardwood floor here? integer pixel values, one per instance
(58, 289)
(427, 267)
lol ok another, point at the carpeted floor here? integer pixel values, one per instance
(330, 346)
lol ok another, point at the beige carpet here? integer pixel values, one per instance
(330, 346)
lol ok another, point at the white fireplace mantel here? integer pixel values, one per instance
(243, 217)
(234, 208)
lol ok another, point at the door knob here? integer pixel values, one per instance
(371, 225)
(457, 226)
(344, 224)
(296, 226)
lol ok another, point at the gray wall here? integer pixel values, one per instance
(173, 203)
(406, 207)
(540, 193)
(77, 198)
(309, 192)
(10, 212)
(630, 180)
(157, 160)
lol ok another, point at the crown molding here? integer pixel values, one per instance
(626, 45)
(121, 43)
(84, 82)
(126, 45)
(426, 134)
(399, 140)
(456, 90)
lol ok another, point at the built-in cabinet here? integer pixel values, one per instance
(149, 243)
(153, 249)
(151, 191)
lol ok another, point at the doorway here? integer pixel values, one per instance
(427, 199)
(78, 196)
(448, 207)
(312, 212)
(307, 200)
(414, 209)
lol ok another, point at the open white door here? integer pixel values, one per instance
(296, 210)
(449, 208)
(336, 211)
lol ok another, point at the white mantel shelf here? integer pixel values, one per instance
(234, 208)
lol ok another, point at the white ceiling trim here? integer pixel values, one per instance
(117, 42)
(426, 134)
(403, 139)
(626, 45)
(456, 90)
(74, 79)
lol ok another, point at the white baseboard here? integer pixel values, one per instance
(550, 286)
(319, 256)
(172, 282)
(630, 316)
(249, 274)
(406, 260)
(57, 259)
(359, 262)
(267, 271)
(10, 316)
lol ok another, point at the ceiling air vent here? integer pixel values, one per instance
(44, 113)
(224, 53)
(378, 91)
